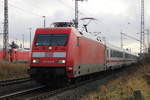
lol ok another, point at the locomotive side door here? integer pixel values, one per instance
(107, 57)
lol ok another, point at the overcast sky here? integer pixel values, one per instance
(113, 16)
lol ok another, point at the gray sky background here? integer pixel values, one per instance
(113, 16)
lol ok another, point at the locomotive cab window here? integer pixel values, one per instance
(51, 40)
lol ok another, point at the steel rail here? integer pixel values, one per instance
(14, 81)
(47, 95)
(9, 96)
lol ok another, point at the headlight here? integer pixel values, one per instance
(35, 61)
(61, 61)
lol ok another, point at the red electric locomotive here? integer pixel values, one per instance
(62, 53)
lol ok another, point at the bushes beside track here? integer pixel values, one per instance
(123, 87)
(12, 70)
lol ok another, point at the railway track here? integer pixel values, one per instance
(26, 91)
(14, 81)
(49, 94)
(101, 79)
(13, 86)
(36, 93)
(41, 95)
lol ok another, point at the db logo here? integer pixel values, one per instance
(47, 61)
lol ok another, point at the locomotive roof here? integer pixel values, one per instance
(55, 29)
(119, 49)
(67, 30)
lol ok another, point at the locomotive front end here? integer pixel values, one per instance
(49, 55)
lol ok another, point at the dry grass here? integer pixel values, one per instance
(12, 70)
(122, 87)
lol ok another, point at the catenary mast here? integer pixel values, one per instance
(142, 35)
(5, 32)
(76, 21)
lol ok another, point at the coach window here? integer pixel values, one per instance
(112, 53)
(120, 54)
(116, 54)
(127, 55)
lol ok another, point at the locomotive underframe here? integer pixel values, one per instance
(48, 74)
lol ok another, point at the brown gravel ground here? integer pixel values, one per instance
(122, 87)
(12, 70)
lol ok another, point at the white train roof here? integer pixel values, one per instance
(108, 45)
